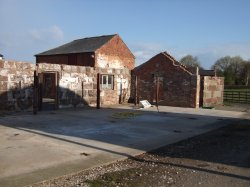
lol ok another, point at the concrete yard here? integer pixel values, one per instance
(55, 143)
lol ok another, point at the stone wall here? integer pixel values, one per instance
(213, 91)
(81, 84)
(16, 81)
(77, 85)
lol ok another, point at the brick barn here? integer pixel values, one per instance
(165, 80)
(107, 51)
(100, 71)
(106, 55)
(88, 71)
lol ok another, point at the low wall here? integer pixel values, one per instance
(77, 85)
(16, 81)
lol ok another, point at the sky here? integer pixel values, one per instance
(208, 29)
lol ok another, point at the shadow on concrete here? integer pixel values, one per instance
(143, 131)
(193, 168)
(227, 145)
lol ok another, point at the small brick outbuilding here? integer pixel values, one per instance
(164, 80)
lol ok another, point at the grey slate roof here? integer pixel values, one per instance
(79, 46)
(1, 55)
(203, 72)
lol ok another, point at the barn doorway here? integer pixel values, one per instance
(48, 89)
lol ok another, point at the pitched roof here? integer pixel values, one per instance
(1, 55)
(171, 58)
(79, 46)
(203, 72)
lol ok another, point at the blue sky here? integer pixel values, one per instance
(208, 29)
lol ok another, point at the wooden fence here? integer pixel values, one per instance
(234, 87)
(237, 96)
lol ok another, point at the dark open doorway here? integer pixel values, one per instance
(201, 92)
(48, 89)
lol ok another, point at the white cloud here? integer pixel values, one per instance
(37, 37)
(9, 40)
(208, 55)
(145, 51)
(53, 33)
(233, 49)
(23, 45)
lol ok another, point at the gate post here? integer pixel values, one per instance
(136, 89)
(35, 93)
(98, 92)
(157, 91)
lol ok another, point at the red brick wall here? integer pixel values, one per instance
(116, 51)
(179, 87)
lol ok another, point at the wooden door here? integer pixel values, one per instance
(48, 90)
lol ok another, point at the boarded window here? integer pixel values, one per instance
(107, 82)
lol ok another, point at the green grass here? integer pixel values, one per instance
(226, 103)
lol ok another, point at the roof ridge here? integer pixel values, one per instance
(182, 66)
(175, 59)
(95, 37)
(88, 44)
